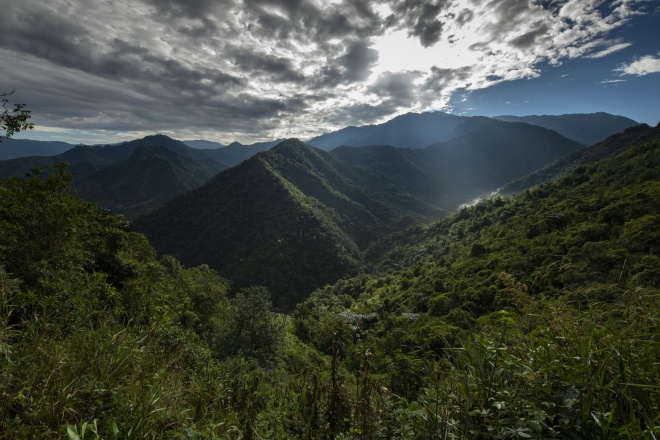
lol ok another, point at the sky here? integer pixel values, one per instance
(251, 70)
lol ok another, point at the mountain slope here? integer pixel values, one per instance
(15, 148)
(251, 222)
(586, 129)
(488, 153)
(587, 236)
(412, 130)
(145, 180)
(513, 305)
(117, 178)
(308, 213)
(612, 145)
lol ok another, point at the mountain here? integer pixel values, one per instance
(587, 236)
(253, 223)
(235, 153)
(412, 130)
(586, 129)
(15, 148)
(292, 218)
(609, 147)
(131, 178)
(307, 215)
(202, 144)
(145, 180)
(487, 153)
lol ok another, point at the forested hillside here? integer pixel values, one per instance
(527, 317)
(532, 317)
(132, 178)
(327, 208)
(292, 219)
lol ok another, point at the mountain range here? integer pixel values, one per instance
(414, 130)
(199, 160)
(326, 208)
(14, 148)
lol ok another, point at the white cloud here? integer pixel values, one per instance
(609, 50)
(643, 66)
(248, 70)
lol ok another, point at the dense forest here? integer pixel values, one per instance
(527, 316)
(296, 218)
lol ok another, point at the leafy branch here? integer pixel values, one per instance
(13, 117)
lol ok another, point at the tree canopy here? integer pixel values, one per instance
(13, 117)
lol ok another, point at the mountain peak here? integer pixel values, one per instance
(289, 144)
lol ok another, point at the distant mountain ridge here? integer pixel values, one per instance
(586, 129)
(131, 178)
(203, 144)
(419, 130)
(412, 130)
(440, 181)
(15, 148)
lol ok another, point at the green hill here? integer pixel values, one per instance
(295, 218)
(536, 314)
(527, 317)
(144, 181)
(132, 178)
(292, 219)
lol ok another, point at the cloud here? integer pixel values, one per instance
(397, 89)
(643, 66)
(609, 50)
(255, 69)
(357, 61)
(528, 39)
(421, 18)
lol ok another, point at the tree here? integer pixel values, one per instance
(13, 117)
(256, 333)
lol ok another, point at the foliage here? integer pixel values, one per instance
(14, 118)
(132, 178)
(528, 317)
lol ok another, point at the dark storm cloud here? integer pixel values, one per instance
(271, 67)
(38, 31)
(397, 89)
(422, 19)
(173, 9)
(248, 67)
(358, 61)
(528, 39)
(351, 66)
(306, 22)
(359, 114)
(199, 14)
(440, 79)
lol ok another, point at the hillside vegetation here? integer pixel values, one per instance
(535, 316)
(132, 178)
(296, 218)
